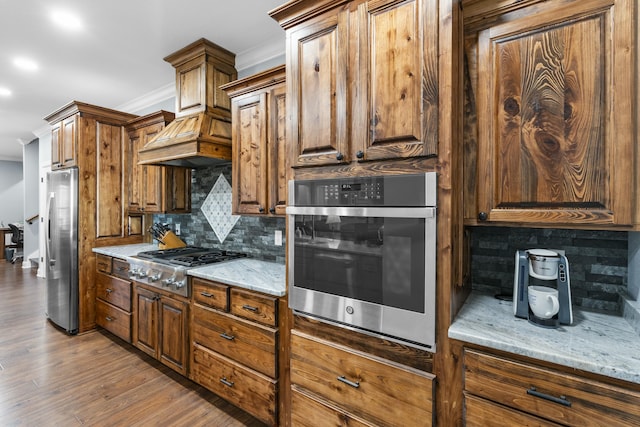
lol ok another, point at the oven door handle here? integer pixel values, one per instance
(371, 212)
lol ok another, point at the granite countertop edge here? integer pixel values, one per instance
(600, 343)
(248, 273)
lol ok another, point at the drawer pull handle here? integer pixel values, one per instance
(250, 308)
(347, 382)
(206, 294)
(227, 337)
(108, 291)
(560, 400)
(121, 268)
(109, 319)
(226, 382)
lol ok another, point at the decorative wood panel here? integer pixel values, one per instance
(317, 87)
(146, 328)
(174, 345)
(277, 143)
(396, 72)
(555, 140)
(110, 181)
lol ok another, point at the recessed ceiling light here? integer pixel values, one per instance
(25, 64)
(66, 20)
(4, 91)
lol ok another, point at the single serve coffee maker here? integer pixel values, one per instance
(533, 298)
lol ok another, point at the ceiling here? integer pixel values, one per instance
(115, 59)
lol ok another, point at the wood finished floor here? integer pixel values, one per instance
(48, 378)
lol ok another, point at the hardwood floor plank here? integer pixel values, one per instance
(48, 378)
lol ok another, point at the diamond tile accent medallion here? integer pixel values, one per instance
(217, 209)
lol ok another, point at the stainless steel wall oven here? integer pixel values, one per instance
(363, 254)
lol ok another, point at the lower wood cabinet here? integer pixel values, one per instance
(332, 383)
(113, 297)
(160, 326)
(234, 346)
(501, 391)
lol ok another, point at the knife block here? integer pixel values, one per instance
(171, 241)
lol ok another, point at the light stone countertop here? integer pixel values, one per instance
(262, 276)
(600, 343)
(248, 273)
(122, 251)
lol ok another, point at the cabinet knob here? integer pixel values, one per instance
(482, 216)
(360, 154)
(272, 210)
(339, 157)
(261, 209)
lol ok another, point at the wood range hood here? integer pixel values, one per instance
(200, 135)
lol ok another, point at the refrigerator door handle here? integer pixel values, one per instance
(50, 258)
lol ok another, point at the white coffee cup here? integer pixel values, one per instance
(543, 301)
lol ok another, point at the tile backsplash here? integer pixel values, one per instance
(598, 261)
(251, 234)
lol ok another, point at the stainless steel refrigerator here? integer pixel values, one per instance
(62, 248)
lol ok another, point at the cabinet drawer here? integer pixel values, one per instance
(120, 268)
(254, 306)
(103, 263)
(246, 342)
(114, 320)
(307, 411)
(368, 387)
(245, 388)
(479, 412)
(113, 290)
(211, 294)
(556, 396)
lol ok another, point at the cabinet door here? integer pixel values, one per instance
(151, 175)
(555, 124)
(317, 57)
(68, 143)
(395, 113)
(145, 333)
(177, 189)
(277, 145)
(56, 136)
(173, 348)
(250, 154)
(109, 175)
(136, 174)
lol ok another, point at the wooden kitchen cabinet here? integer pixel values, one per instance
(361, 80)
(160, 326)
(234, 346)
(92, 138)
(113, 296)
(154, 189)
(329, 378)
(501, 391)
(258, 112)
(550, 131)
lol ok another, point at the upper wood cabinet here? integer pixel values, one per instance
(258, 114)
(154, 189)
(361, 80)
(63, 143)
(551, 94)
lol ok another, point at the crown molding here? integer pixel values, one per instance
(154, 97)
(261, 53)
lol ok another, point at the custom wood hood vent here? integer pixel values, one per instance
(200, 135)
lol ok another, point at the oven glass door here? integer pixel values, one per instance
(375, 255)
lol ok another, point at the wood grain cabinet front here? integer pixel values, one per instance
(365, 387)
(234, 346)
(496, 386)
(160, 326)
(361, 80)
(258, 113)
(550, 97)
(113, 297)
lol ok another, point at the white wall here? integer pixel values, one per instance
(11, 192)
(31, 174)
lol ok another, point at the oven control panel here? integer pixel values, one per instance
(391, 190)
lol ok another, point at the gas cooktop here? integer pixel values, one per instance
(190, 256)
(167, 268)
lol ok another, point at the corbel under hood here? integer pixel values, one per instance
(200, 135)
